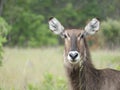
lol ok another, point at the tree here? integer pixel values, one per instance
(22, 14)
(1, 6)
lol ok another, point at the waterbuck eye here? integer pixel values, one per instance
(66, 35)
(80, 36)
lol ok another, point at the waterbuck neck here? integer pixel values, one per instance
(79, 74)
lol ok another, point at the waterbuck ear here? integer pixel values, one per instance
(55, 26)
(92, 27)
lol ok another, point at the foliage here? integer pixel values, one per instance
(4, 28)
(32, 87)
(53, 83)
(110, 31)
(30, 30)
(50, 82)
(29, 18)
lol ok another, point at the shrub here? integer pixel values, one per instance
(30, 30)
(50, 82)
(53, 83)
(4, 28)
(110, 33)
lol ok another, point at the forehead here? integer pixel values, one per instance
(73, 31)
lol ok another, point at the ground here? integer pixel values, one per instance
(24, 66)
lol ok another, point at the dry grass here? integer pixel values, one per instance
(24, 66)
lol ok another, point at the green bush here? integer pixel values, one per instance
(4, 28)
(110, 33)
(53, 83)
(50, 82)
(30, 30)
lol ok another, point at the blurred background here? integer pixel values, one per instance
(31, 57)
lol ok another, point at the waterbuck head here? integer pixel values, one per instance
(74, 38)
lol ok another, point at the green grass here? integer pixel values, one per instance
(34, 69)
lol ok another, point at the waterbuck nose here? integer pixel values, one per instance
(73, 54)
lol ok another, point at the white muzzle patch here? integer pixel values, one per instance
(73, 57)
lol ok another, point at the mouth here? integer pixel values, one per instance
(74, 61)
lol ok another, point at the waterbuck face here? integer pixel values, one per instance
(74, 45)
(74, 38)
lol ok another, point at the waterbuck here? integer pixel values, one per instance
(81, 73)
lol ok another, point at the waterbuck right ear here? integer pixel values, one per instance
(92, 27)
(55, 26)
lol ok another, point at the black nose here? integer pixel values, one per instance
(73, 55)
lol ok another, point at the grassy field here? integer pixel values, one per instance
(26, 69)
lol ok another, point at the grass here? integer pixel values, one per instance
(31, 69)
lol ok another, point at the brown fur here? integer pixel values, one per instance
(86, 76)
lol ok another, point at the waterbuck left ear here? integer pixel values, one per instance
(55, 26)
(92, 27)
